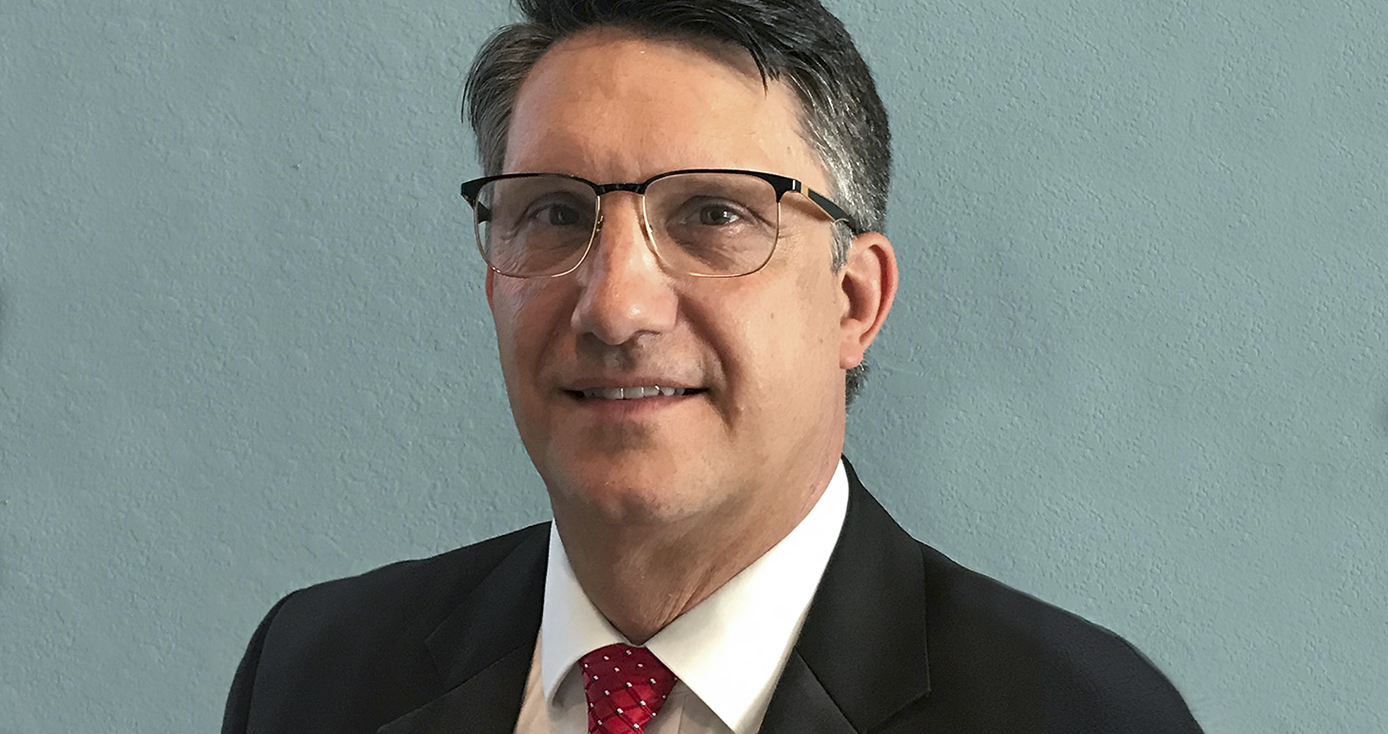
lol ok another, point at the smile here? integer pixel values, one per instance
(634, 393)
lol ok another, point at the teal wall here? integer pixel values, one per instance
(1137, 366)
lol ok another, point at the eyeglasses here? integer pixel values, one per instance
(708, 223)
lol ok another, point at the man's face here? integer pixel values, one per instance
(762, 355)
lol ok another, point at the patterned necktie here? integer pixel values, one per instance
(626, 687)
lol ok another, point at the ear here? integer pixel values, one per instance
(491, 278)
(867, 287)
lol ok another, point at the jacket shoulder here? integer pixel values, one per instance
(1014, 658)
(351, 654)
(406, 594)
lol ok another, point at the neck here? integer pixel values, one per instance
(642, 577)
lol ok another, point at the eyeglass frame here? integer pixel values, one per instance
(781, 184)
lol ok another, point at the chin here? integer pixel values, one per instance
(632, 490)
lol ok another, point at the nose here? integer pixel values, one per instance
(625, 292)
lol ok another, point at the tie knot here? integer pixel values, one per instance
(626, 687)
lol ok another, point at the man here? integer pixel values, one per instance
(682, 225)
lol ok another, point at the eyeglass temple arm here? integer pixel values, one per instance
(484, 212)
(470, 194)
(829, 207)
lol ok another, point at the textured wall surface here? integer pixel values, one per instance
(1137, 367)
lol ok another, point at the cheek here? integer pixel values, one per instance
(504, 315)
(523, 316)
(813, 309)
(789, 339)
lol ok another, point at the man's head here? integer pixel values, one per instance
(618, 92)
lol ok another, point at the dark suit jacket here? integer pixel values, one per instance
(898, 639)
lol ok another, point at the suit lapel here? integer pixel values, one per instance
(861, 655)
(801, 705)
(484, 647)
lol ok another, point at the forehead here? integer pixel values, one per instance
(613, 106)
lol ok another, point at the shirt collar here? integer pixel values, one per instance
(754, 619)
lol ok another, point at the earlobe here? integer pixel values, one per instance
(868, 286)
(490, 280)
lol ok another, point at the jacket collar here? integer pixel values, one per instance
(483, 649)
(861, 653)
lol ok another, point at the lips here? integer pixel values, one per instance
(634, 392)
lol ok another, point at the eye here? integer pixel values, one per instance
(718, 215)
(556, 211)
(557, 215)
(713, 212)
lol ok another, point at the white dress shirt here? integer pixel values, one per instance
(728, 652)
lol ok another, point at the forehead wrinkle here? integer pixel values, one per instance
(657, 131)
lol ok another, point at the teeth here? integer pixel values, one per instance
(632, 393)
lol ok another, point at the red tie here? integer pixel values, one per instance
(626, 686)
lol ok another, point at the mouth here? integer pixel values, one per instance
(639, 392)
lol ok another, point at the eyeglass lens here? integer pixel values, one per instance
(716, 224)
